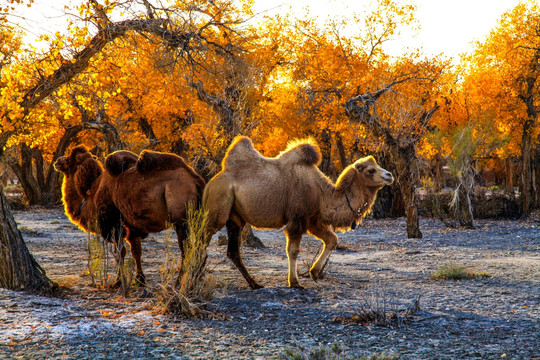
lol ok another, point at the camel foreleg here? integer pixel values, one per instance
(119, 251)
(293, 249)
(330, 240)
(294, 232)
(135, 244)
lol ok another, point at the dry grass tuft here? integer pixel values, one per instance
(193, 286)
(332, 352)
(378, 309)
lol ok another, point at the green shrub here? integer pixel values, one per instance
(457, 272)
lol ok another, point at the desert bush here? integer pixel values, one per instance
(379, 308)
(457, 272)
(99, 265)
(98, 260)
(332, 352)
(193, 286)
(487, 204)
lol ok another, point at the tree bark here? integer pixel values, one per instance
(18, 268)
(528, 96)
(250, 240)
(509, 183)
(325, 145)
(25, 174)
(407, 185)
(525, 184)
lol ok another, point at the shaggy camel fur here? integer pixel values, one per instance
(84, 178)
(150, 195)
(134, 197)
(288, 191)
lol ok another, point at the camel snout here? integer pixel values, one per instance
(59, 163)
(388, 178)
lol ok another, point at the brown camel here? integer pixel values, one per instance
(150, 196)
(289, 191)
(144, 193)
(84, 178)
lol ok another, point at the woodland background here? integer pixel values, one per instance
(188, 76)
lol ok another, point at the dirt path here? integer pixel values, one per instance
(376, 266)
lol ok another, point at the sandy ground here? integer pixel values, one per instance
(375, 267)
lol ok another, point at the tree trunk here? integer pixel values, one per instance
(406, 185)
(325, 145)
(536, 175)
(464, 206)
(250, 240)
(25, 174)
(18, 268)
(509, 183)
(526, 173)
(361, 109)
(342, 154)
(438, 174)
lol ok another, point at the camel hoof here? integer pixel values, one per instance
(140, 281)
(314, 276)
(255, 286)
(296, 286)
(145, 294)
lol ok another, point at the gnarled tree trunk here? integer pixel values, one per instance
(361, 109)
(18, 268)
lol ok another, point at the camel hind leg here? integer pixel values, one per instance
(218, 200)
(233, 252)
(134, 238)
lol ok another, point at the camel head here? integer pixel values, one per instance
(81, 166)
(69, 164)
(372, 175)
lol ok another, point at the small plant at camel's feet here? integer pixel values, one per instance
(457, 272)
(193, 285)
(97, 260)
(332, 352)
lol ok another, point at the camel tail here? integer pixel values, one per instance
(305, 151)
(120, 161)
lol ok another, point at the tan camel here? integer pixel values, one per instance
(289, 191)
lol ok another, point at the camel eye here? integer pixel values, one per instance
(371, 171)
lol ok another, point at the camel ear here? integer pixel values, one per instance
(360, 166)
(79, 158)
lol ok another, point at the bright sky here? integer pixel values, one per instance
(447, 26)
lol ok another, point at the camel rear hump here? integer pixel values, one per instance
(150, 161)
(304, 151)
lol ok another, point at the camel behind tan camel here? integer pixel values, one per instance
(288, 191)
(154, 193)
(144, 194)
